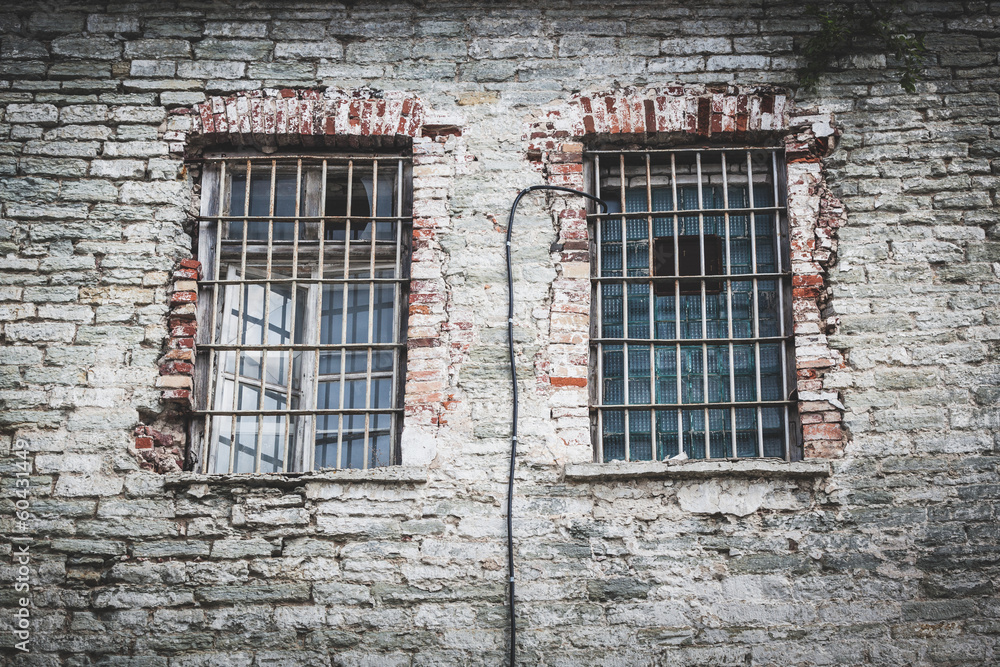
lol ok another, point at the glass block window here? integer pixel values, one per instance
(691, 342)
(302, 312)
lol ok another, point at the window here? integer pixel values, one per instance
(302, 314)
(691, 342)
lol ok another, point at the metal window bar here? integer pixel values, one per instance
(700, 184)
(290, 420)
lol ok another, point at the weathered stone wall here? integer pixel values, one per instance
(892, 558)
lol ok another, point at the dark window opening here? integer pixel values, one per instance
(689, 264)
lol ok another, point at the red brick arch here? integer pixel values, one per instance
(304, 117)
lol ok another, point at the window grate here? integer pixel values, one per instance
(691, 344)
(301, 364)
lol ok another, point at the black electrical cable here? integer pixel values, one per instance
(513, 384)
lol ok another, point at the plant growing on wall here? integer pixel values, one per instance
(842, 26)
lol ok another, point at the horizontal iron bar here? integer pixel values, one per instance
(696, 406)
(300, 413)
(735, 277)
(295, 347)
(686, 212)
(262, 281)
(303, 156)
(688, 149)
(689, 341)
(306, 218)
(357, 245)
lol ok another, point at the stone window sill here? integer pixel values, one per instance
(601, 472)
(388, 475)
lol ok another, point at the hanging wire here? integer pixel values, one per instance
(513, 384)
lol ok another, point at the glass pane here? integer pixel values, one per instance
(368, 197)
(666, 374)
(694, 433)
(718, 373)
(746, 432)
(774, 431)
(260, 203)
(770, 372)
(666, 316)
(611, 247)
(613, 436)
(614, 375)
(351, 429)
(690, 316)
(720, 433)
(640, 435)
(692, 375)
(638, 311)
(742, 308)
(667, 429)
(611, 311)
(767, 303)
(638, 375)
(744, 373)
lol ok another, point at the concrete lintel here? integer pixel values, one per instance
(388, 475)
(620, 470)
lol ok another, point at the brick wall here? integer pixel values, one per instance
(882, 552)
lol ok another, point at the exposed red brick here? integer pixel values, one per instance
(183, 297)
(176, 396)
(177, 368)
(824, 431)
(567, 382)
(422, 342)
(704, 116)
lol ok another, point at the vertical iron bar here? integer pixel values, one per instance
(239, 318)
(625, 298)
(756, 301)
(729, 306)
(786, 435)
(309, 453)
(396, 308)
(677, 301)
(599, 270)
(291, 323)
(371, 311)
(346, 288)
(704, 301)
(652, 310)
(266, 321)
(209, 433)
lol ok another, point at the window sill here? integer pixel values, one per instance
(388, 475)
(600, 472)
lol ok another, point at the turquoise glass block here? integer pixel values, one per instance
(613, 363)
(638, 375)
(746, 432)
(666, 374)
(640, 440)
(774, 431)
(667, 442)
(613, 435)
(692, 375)
(720, 433)
(694, 433)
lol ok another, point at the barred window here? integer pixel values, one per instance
(301, 347)
(691, 342)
